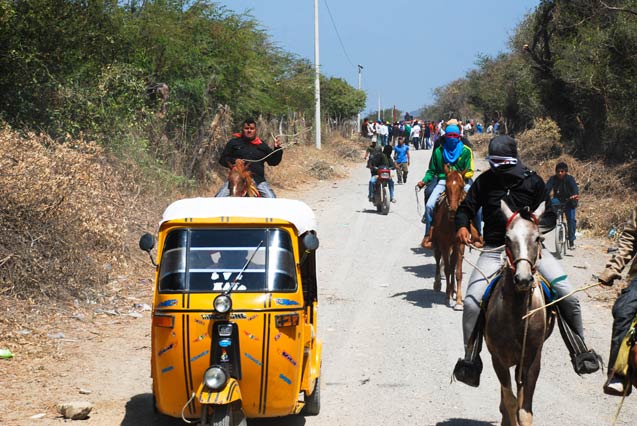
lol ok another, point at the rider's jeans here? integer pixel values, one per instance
(569, 211)
(264, 189)
(490, 263)
(373, 180)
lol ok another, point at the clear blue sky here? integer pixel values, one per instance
(407, 47)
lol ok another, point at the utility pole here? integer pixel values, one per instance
(358, 123)
(378, 107)
(317, 82)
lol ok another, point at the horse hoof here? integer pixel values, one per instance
(458, 307)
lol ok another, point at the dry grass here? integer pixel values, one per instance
(607, 191)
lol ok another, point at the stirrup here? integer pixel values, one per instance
(468, 372)
(586, 362)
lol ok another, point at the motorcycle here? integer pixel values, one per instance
(381, 198)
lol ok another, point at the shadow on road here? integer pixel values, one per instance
(278, 421)
(464, 422)
(139, 412)
(422, 271)
(424, 298)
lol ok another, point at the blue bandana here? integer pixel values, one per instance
(452, 146)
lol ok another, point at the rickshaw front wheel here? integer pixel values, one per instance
(224, 415)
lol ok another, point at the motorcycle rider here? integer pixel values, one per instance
(508, 179)
(378, 160)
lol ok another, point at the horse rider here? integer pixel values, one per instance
(247, 146)
(381, 159)
(509, 180)
(456, 156)
(625, 307)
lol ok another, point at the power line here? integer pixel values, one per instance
(337, 34)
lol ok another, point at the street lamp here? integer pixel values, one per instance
(358, 123)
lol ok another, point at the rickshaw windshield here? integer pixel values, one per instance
(211, 260)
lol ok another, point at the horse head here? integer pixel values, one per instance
(240, 182)
(523, 244)
(454, 189)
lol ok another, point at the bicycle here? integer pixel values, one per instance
(561, 232)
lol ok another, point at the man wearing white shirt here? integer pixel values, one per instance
(415, 135)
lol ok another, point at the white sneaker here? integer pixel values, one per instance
(614, 387)
(393, 200)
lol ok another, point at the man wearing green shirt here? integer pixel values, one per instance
(456, 156)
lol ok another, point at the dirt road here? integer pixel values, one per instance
(390, 341)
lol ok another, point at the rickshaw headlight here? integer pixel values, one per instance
(222, 304)
(215, 378)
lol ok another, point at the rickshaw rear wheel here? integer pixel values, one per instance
(313, 402)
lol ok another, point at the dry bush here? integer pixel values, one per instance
(66, 212)
(72, 215)
(607, 192)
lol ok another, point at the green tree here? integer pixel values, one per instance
(339, 100)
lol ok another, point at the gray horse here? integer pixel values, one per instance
(511, 340)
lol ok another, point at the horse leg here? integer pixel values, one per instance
(457, 259)
(508, 402)
(437, 279)
(526, 391)
(449, 276)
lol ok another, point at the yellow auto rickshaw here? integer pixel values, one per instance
(234, 311)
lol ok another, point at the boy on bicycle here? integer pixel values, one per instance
(566, 194)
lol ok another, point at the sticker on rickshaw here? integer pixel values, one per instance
(196, 357)
(223, 316)
(253, 359)
(286, 302)
(167, 303)
(166, 349)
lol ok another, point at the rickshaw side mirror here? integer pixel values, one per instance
(147, 242)
(310, 241)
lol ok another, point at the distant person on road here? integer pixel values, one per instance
(625, 307)
(414, 135)
(248, 147)
(402, 159)
(509, 180)
(566, 194)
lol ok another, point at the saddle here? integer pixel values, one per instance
(549, 294)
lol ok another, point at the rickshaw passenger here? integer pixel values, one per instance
(247, 146)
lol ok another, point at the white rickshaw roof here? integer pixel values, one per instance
(294, 211)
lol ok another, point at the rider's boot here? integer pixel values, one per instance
(426, 241)
(469, 368)
(584, 360)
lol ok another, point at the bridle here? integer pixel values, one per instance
(512, 262)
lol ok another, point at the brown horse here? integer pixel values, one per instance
(511, 340)
(443, 238)
(240, 182)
